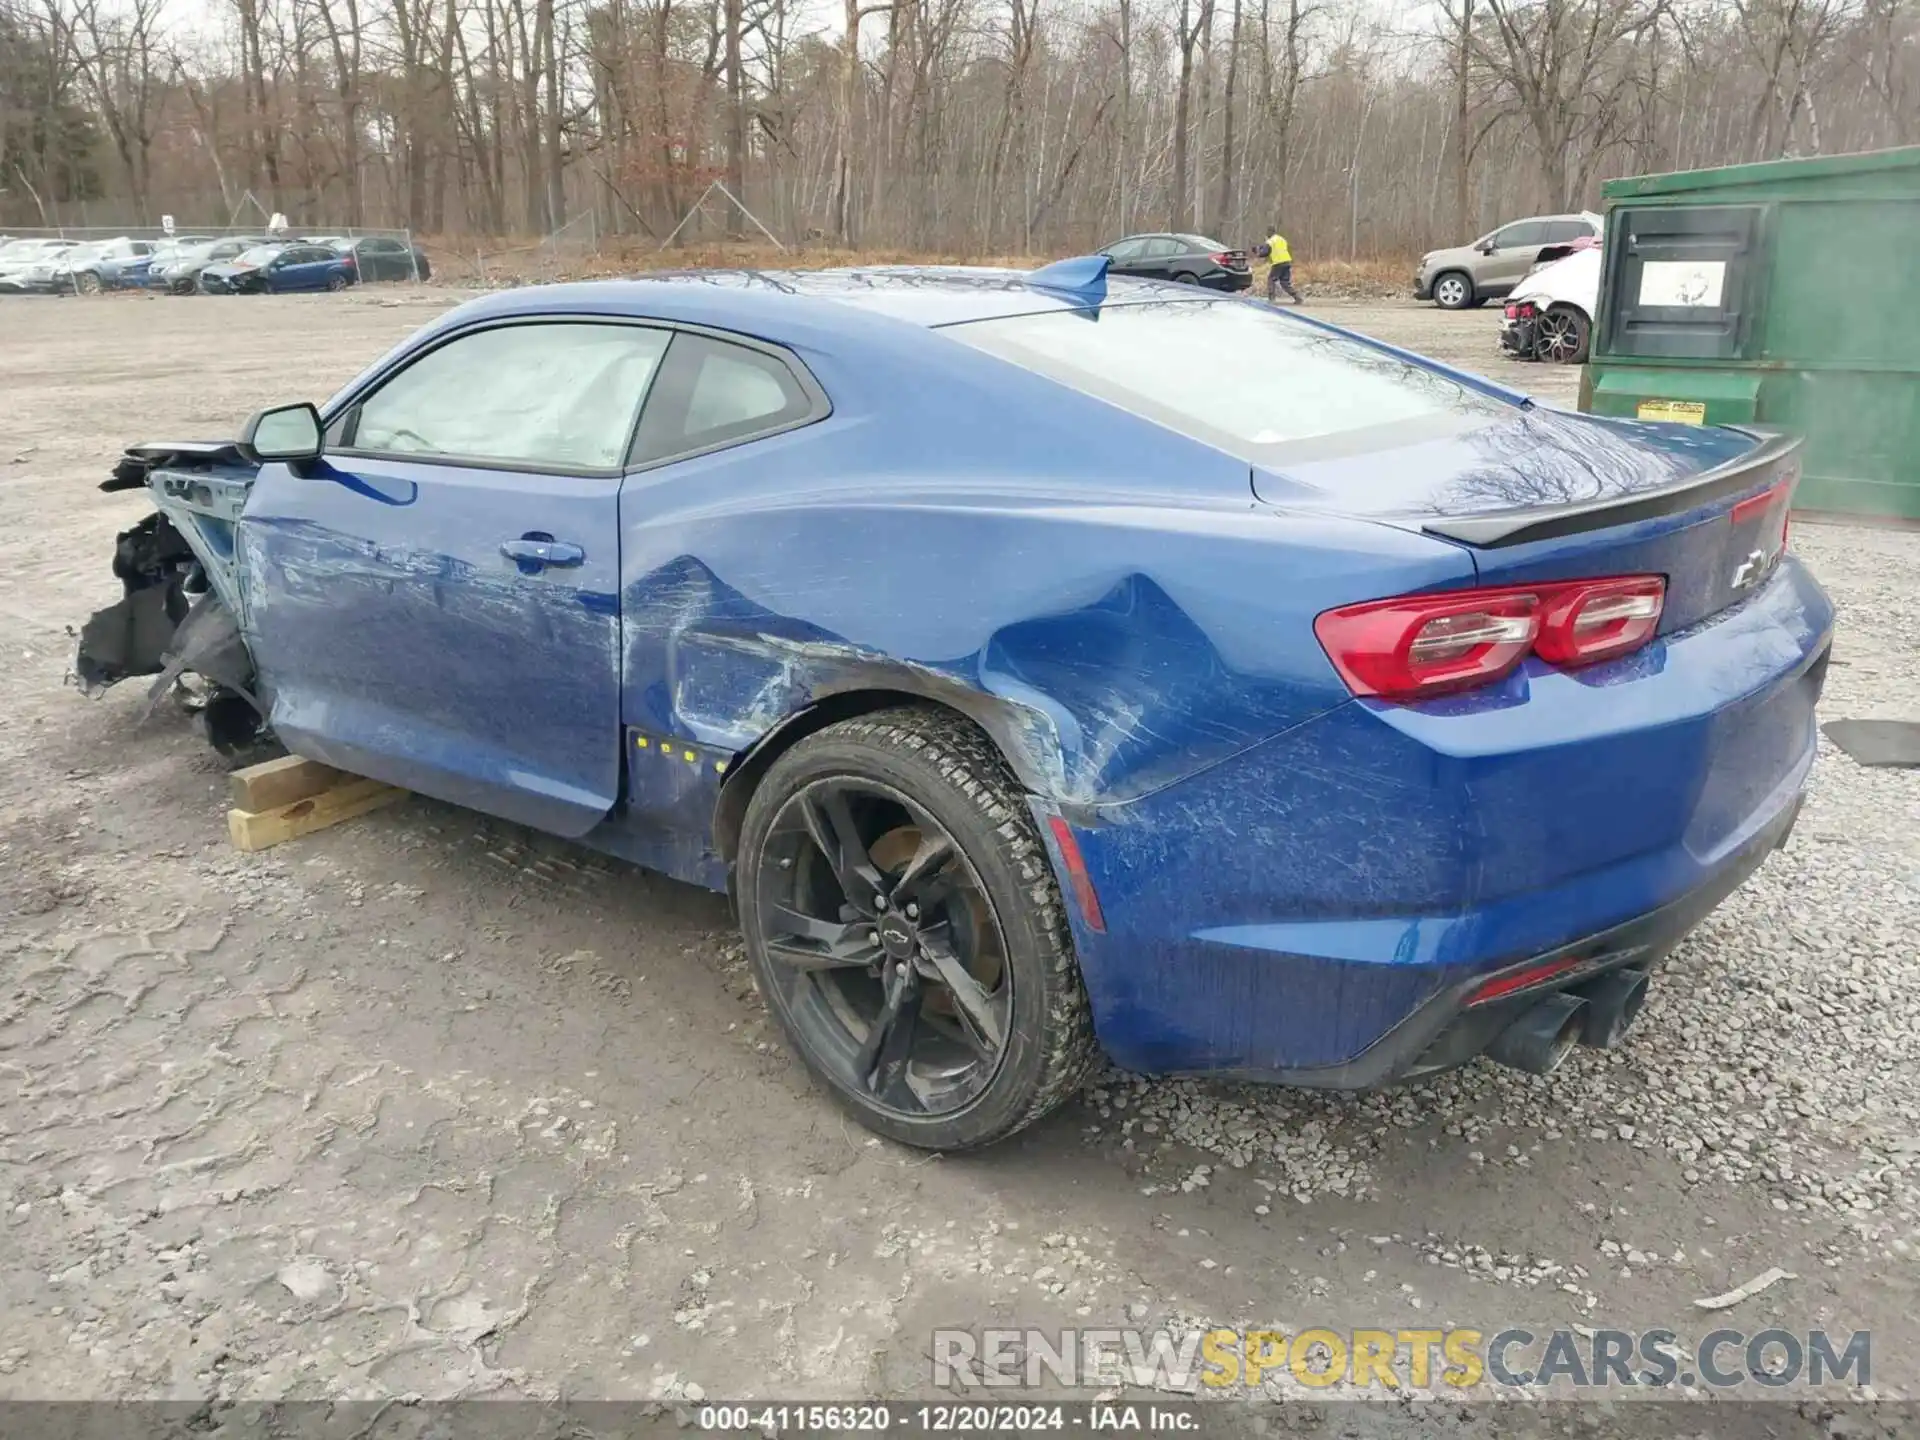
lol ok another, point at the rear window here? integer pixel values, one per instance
(1243, 378)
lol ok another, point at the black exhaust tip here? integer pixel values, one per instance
(1613, 1000)
(1541, 1038)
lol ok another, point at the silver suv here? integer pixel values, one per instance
(1495, 263)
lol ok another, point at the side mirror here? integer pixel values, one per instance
(1486, 247)
(286, 432)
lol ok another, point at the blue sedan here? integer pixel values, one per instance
(1047, 663)
(279, 268)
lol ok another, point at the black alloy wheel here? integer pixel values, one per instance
(1560, 336)
(905, 930)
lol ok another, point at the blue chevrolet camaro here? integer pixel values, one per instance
(1048, 664)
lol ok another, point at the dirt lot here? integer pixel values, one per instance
(424, 1104)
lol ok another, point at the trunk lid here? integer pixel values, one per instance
(1547, 495)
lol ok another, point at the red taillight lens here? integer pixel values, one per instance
(1599, 619)
(1222, 258)
(1429, 644)
(1414, 646)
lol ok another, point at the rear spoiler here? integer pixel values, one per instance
(1775, 453)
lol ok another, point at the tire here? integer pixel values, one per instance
(1452, 290)
(1562, 336)
(1187, 277)
(337, 283)
(85, 282)
(991, 900)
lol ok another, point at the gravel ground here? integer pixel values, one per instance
(425, 1104)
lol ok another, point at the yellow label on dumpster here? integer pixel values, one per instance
(1684, 412)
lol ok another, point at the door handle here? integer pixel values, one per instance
(536, 550)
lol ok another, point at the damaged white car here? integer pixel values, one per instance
(1549, 316)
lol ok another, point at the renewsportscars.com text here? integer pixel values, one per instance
(1459, 1358)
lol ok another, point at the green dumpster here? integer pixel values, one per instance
(1784, 294)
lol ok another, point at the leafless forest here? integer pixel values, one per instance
(943, 126)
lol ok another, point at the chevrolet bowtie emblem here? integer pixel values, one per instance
(1751, 569)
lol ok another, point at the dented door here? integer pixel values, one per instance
(436, 600)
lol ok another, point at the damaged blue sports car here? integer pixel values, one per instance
(1049, 664)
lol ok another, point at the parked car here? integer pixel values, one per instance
(18, 257)
(376, 257)
(278, 269)
(1492, 265)
(178, 272)
(1207, 685)
(1189, 259)
(1550, 314)
(107, 265)
(39, 272)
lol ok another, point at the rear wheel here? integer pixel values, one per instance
(903, 925)
(337, 282)
(85, 282)
(1187, 277)
(1561, 336)
(1452, 291)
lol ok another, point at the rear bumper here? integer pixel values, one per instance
(1228, 280)
(1444, 1032)
(1312, 910)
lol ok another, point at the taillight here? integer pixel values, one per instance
(1520, 310)
(1599, 619)
(1414, 646)
(1222, 258)
(1429, 644)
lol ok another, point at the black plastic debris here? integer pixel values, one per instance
(1877, 742)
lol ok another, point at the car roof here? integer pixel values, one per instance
(748, 300)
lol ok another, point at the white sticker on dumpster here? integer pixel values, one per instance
(1683, 284)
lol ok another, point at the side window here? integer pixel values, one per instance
(1163, 247)
(562, 395)
(714, 393)
(1521, 235)
(1561, 231)
(1126, 251)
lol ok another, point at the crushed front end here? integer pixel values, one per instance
(183, 604)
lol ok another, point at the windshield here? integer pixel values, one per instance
(258, 255)
(20, 249)
(1243, 378)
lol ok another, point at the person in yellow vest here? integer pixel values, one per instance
(1280, 267)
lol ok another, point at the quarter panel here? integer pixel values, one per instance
(1105, 593)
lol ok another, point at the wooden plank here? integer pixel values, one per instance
(257, 829)
(273, 783)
